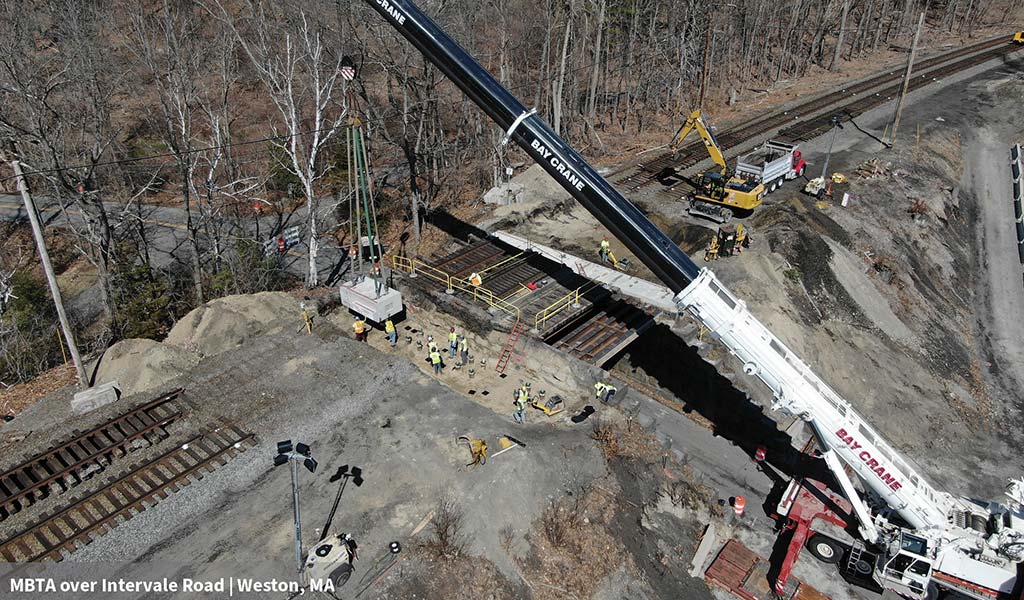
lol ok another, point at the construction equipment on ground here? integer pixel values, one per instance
(477, 449)
(1019, 37)
(822, 188)
(549, 406)
(772, 164)
(914, 539)
(717, 193)
(507, 442)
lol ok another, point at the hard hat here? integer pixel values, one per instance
(430, 338)
(527, 384)
(453, 330)
(462, 337)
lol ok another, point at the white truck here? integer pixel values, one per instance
(771, 164)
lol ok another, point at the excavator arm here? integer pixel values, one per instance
(696, 121)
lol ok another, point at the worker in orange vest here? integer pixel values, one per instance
(281, 245)
(359, 327)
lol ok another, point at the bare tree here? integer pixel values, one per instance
(168, 43)
(57, 83)
(301, 77)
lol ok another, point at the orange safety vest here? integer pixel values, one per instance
(358, 326)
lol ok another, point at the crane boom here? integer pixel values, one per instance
(978, 544)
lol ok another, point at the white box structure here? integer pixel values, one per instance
(362, 297)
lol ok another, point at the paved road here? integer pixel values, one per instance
(168, 236)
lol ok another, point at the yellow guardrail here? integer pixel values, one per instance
(570, 299)
(479, 293)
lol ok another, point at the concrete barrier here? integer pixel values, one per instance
(1020, 251)
(1015, 153)
(1016, 210)
(95, 397)
(1020, 232)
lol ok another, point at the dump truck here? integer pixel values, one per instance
(771, 164)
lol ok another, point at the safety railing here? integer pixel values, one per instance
(572, 299)
(482, 294)
(452, 284)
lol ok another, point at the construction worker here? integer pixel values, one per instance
(475, 279)
(435, 359)
(431, 344)
(359, 327)
(603, 392)
(463, 350)
(389, 331)
(522, 396)
(606, 250)
(453, 343)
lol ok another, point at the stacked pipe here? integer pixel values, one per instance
(1016, 162)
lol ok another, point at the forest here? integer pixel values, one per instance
(234, 112)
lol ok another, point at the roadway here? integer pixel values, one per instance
(167, 234)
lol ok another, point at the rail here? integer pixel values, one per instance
(570, 299)
(453, 284)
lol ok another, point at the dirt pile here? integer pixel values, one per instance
(229, 322)
(142, 365)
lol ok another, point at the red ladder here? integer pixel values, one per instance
(510, 343)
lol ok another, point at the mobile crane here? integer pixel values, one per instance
(716, 193)
(924, 540)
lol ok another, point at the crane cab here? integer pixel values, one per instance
(909, 571)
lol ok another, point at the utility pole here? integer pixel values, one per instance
(51, 278)
(906, 81)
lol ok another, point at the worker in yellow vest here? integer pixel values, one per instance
(431, 344)
(606, 250)
(435, 359)
(453, 343)
(359, 327)
(389, 331)
(521, 397)
(603, 392)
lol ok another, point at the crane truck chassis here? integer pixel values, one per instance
(924, 539)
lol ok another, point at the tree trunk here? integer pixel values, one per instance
(842, 33)
(592, 96)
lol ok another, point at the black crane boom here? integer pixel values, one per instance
(668, 262)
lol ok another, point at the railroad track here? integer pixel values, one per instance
(142, 487)
(599, 335)
(645, 174)
(67, 463)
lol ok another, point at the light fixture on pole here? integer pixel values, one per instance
(299, 453)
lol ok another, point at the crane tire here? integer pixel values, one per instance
(932, 592)
(825, 549)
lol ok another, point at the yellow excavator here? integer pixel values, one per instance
(715, 191)
(1019, 37)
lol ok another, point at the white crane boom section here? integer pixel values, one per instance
(803, 394)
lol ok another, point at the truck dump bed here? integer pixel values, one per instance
(768, 162)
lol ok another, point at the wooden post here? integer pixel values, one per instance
(906, 80)
(51, 278)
